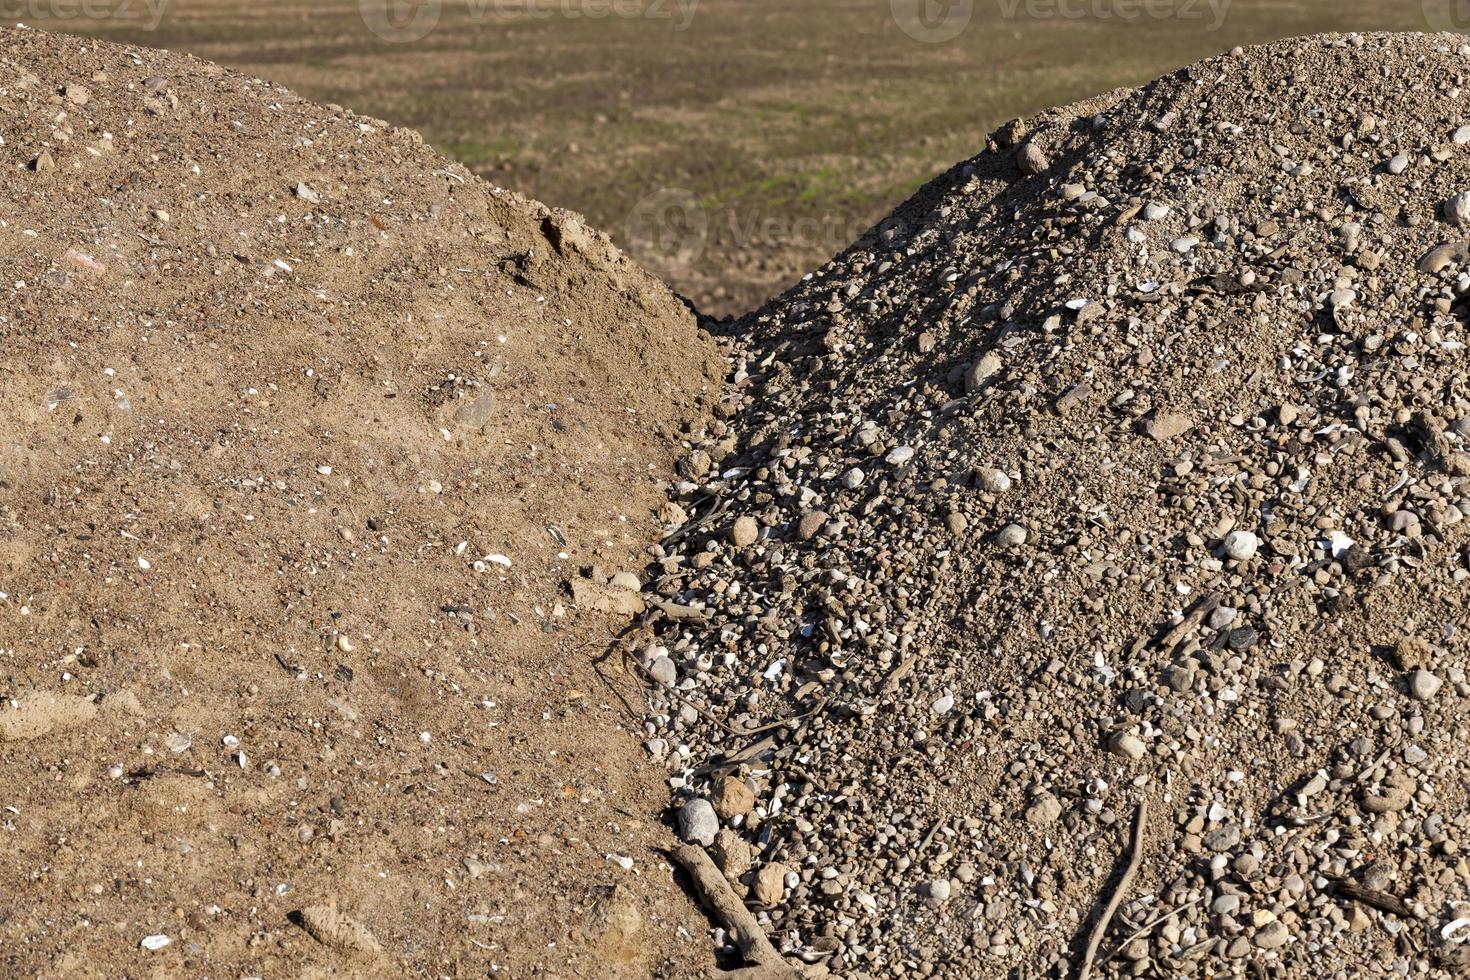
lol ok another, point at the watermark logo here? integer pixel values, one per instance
(669, 228)
(1447, 15)
(404, 21)
(400, 21)
(932, 21)
(937, 21)
(1211, 12)
(148, 13)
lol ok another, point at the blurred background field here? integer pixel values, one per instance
(730, 145)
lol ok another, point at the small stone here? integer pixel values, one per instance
(1272, 936)
(900, 455)
(1011, 536)
(696, 465)
(626, 580)
(1163, 123)
(731, 854)
(811, 524)
(1461, 136)
(1156, 212)
(1424, 685)
(1166, 426)
(43, 162)
(744, 532)
(939, 892)
(1241, 545)
(1032, 160)
(77, 94)
(698, 823)
(1441, 257)
(1127, 745)
(982, 370)
(1222, 839)
(1398, 163)
(1457, 209)
(769, 886)
(664, 671)
(1043, 811)
(304, 191)
(853, 478)
(992, 480)
(733, 797)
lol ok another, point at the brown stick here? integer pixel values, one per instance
(720, 898)
(1100, 928)
(1373, 898)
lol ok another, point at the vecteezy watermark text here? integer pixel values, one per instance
(148, 13)
(1211, 12)
(398, 21)
(1447, 15)
(936, 21)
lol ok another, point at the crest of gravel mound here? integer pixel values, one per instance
(1126, 462)
(305, 431)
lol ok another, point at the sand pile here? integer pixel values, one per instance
(306, 431)
(1125, 463)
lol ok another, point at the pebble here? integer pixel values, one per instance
(1241, 545)
(1457, 209)
(664, 671)
(1043, 811)
(810, 524)
(938, 892)
(1273, 935)
(733, 797)
(1424, 685)
(982, 370)
(698, 823)
(1032, 160)
(745, 531)
(992, 480)
(1127, 745)
(1011, 536)
(1166, 426)
(769, 886)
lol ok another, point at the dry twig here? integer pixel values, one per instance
(720, 899)
(1100, 928)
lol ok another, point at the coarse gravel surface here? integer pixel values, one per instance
(1125, 464)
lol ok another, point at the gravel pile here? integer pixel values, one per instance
(1125, 464)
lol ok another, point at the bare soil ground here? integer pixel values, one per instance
(306, 431)
(789, 127)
